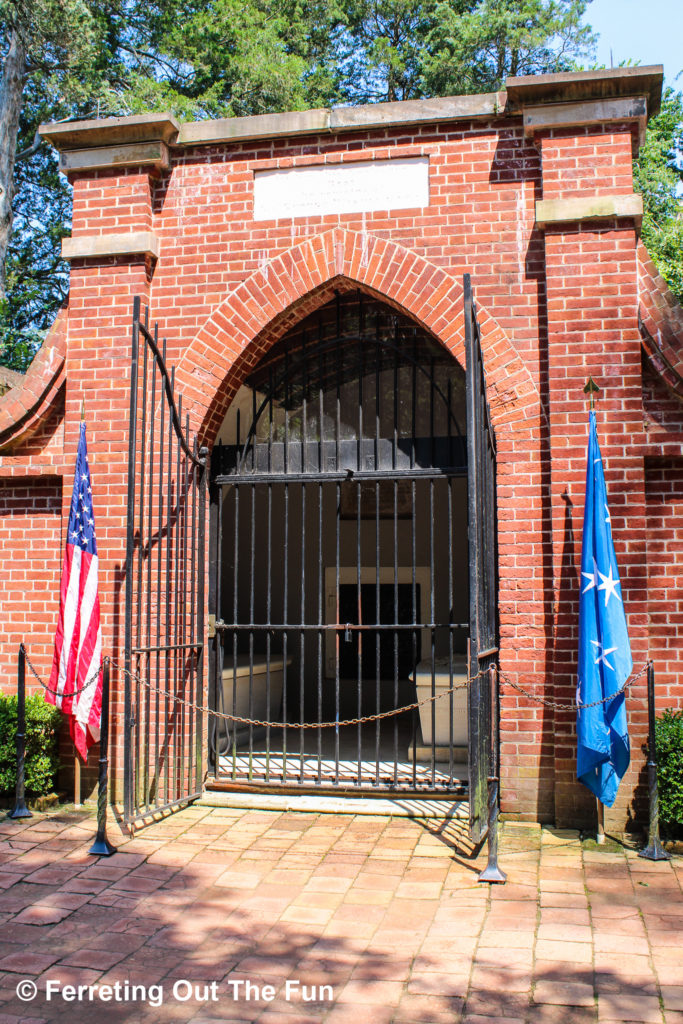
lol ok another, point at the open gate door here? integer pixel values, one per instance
(165, 560)
(483, 582)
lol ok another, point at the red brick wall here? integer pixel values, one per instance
(587, 161)
(662, 408)
(31, 529)
(483, 178)
(112, 202)
(591, 278)
(664, 495)
(31, 538)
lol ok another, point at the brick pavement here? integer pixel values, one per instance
(386, 912)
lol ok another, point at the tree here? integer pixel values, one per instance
(224, 58)
(47, 39)
(404, 49)
(476, 50)
(49, 65)
(383, 47)
(65, 59)
(35, 275)
(658, 176)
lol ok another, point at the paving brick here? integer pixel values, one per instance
(27, 962)
(416, 1009)
(569, 993)
(371, 992)
(471, 1018)
(549, 1013)
(632, 944)
(508, 978)
(495, 1003)
(40, 914)
(672, 996)
(351, 1013)
(629, 1006)
(572, 952)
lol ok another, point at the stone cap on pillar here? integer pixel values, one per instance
(584, 98)
(138, 141)
(573, 86)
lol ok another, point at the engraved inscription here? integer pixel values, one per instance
(341, 188)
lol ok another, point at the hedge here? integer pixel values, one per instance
(669, 743)
(43, 722)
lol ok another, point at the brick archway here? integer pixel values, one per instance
(261, 309)
(259, 312)
(264, 306)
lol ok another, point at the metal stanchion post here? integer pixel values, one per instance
(102, 847)
(492, 872)
(20, 808)
(654, 849)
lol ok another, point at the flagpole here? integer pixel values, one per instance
(591, 390)
(102, 847)
(77, 782)
(600, 837)
(77, 762)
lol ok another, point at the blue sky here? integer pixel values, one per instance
(647, 31)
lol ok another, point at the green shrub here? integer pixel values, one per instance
(669, 743)
(42, 730)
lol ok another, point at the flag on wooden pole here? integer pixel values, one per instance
(605, 661)
(78, 641)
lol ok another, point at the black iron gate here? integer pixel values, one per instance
(338, 576)
(165, 569)
(483, 561)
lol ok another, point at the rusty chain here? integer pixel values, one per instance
(57, 693)
(385, 714)
(363, 719)
(550, 703)
(294, 725)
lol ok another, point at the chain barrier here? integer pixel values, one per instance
(363, 719)
(58, 693)
(295, 725)
(550, 703)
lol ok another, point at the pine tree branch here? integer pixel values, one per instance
(25, 154)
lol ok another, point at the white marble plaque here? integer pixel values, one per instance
(341, 188)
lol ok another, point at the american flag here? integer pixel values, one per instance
(78, 641)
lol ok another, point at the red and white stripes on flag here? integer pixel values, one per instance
(78, 641)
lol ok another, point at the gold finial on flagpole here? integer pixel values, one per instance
(82, 409)
(591, 389)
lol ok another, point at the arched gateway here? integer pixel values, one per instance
(352, 568)
(234, 232)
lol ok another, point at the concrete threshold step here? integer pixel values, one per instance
(397, 806)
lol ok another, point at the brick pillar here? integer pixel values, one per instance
(593, 330)
(98, 373)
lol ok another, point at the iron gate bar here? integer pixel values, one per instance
(340, 627)
(481, 488)
(293, 475)
(266, 403)
(337, 662)
(162, 747)
(458, 790)
(414, 582)
(344, 476)
(166, 647)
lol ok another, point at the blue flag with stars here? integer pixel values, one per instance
(605, 661)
